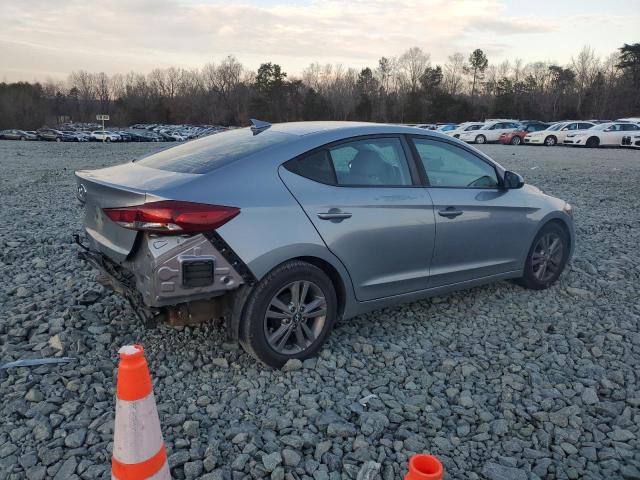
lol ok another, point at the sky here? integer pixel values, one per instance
(42, 39)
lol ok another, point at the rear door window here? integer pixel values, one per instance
(371, 162)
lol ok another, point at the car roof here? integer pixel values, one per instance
(343, 128)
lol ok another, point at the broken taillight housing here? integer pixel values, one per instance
(170, 216)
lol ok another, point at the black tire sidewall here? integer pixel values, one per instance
(252, 335)
(553, 141)
(528, 279)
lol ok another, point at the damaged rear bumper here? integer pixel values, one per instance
(179, 279)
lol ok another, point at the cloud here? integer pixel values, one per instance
(121, 35)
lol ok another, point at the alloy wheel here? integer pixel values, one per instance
(550, 141)
(546, 259)
(295, 317)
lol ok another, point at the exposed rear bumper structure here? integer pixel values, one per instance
(170, 278)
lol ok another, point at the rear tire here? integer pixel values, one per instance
(546, 259)
(289, 314)
(593, 142)
(480, 139)
(550, 141)
(107, 139)
(516, 140)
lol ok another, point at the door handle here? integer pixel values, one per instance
(450, 212)
(334, 215)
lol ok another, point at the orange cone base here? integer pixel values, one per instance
(424, 467)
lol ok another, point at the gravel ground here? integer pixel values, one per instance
(499, 382)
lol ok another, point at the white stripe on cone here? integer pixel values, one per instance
(137, 436)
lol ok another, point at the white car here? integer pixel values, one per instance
(490, 131)
(631, 141)
(464, 127)
(604, 135)
(556, 133)
(105, 135)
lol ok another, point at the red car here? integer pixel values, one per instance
(516, 137)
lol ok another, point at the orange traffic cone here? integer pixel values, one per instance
(424, 467)
(138, 449)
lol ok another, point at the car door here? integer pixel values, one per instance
(481, 229)
(612, 135)
(365, 199)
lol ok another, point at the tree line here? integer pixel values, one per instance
(404, 89)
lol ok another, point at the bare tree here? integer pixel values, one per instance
(454, 74)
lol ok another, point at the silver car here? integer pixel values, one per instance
(284, 229)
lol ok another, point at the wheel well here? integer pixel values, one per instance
(562, 225)
(333, 275)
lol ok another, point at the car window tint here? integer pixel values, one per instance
(375, 161)
(315, 166)
(630, 126)
(206, 154)
(450, 166)
(584, 126)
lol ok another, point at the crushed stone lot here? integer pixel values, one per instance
(499, 382)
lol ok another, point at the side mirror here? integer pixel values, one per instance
(512, 180)
(608, 129)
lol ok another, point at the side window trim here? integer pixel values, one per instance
(425, 176)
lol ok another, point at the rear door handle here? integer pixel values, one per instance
(450, 212)
(334, 215)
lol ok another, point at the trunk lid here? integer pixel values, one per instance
(120, 186)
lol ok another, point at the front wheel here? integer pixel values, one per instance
(289, 314)
(516, 140)
(593, 142)
(481, 139)
(547, 258)
(550, 141)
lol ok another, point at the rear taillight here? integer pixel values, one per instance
(169, 216)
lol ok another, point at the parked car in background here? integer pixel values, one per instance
(555, 134)
(603, 135)
(489, 132)
(275, 227)
(631, 141)
(17, 135)
(464, 127)
(73, 136)
(516, 137)
(447, 127)
(51, 135)
(104, 135)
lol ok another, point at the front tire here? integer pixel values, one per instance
(550, 141)
(289, 314)
(593, 142)
(547, 258)
(481, 139)
(516, 140)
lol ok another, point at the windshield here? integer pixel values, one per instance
(557, 126)
(208, 153)
(602, 126)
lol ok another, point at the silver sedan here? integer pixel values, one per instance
(283, 229)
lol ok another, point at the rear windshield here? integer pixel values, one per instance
(206, 154)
